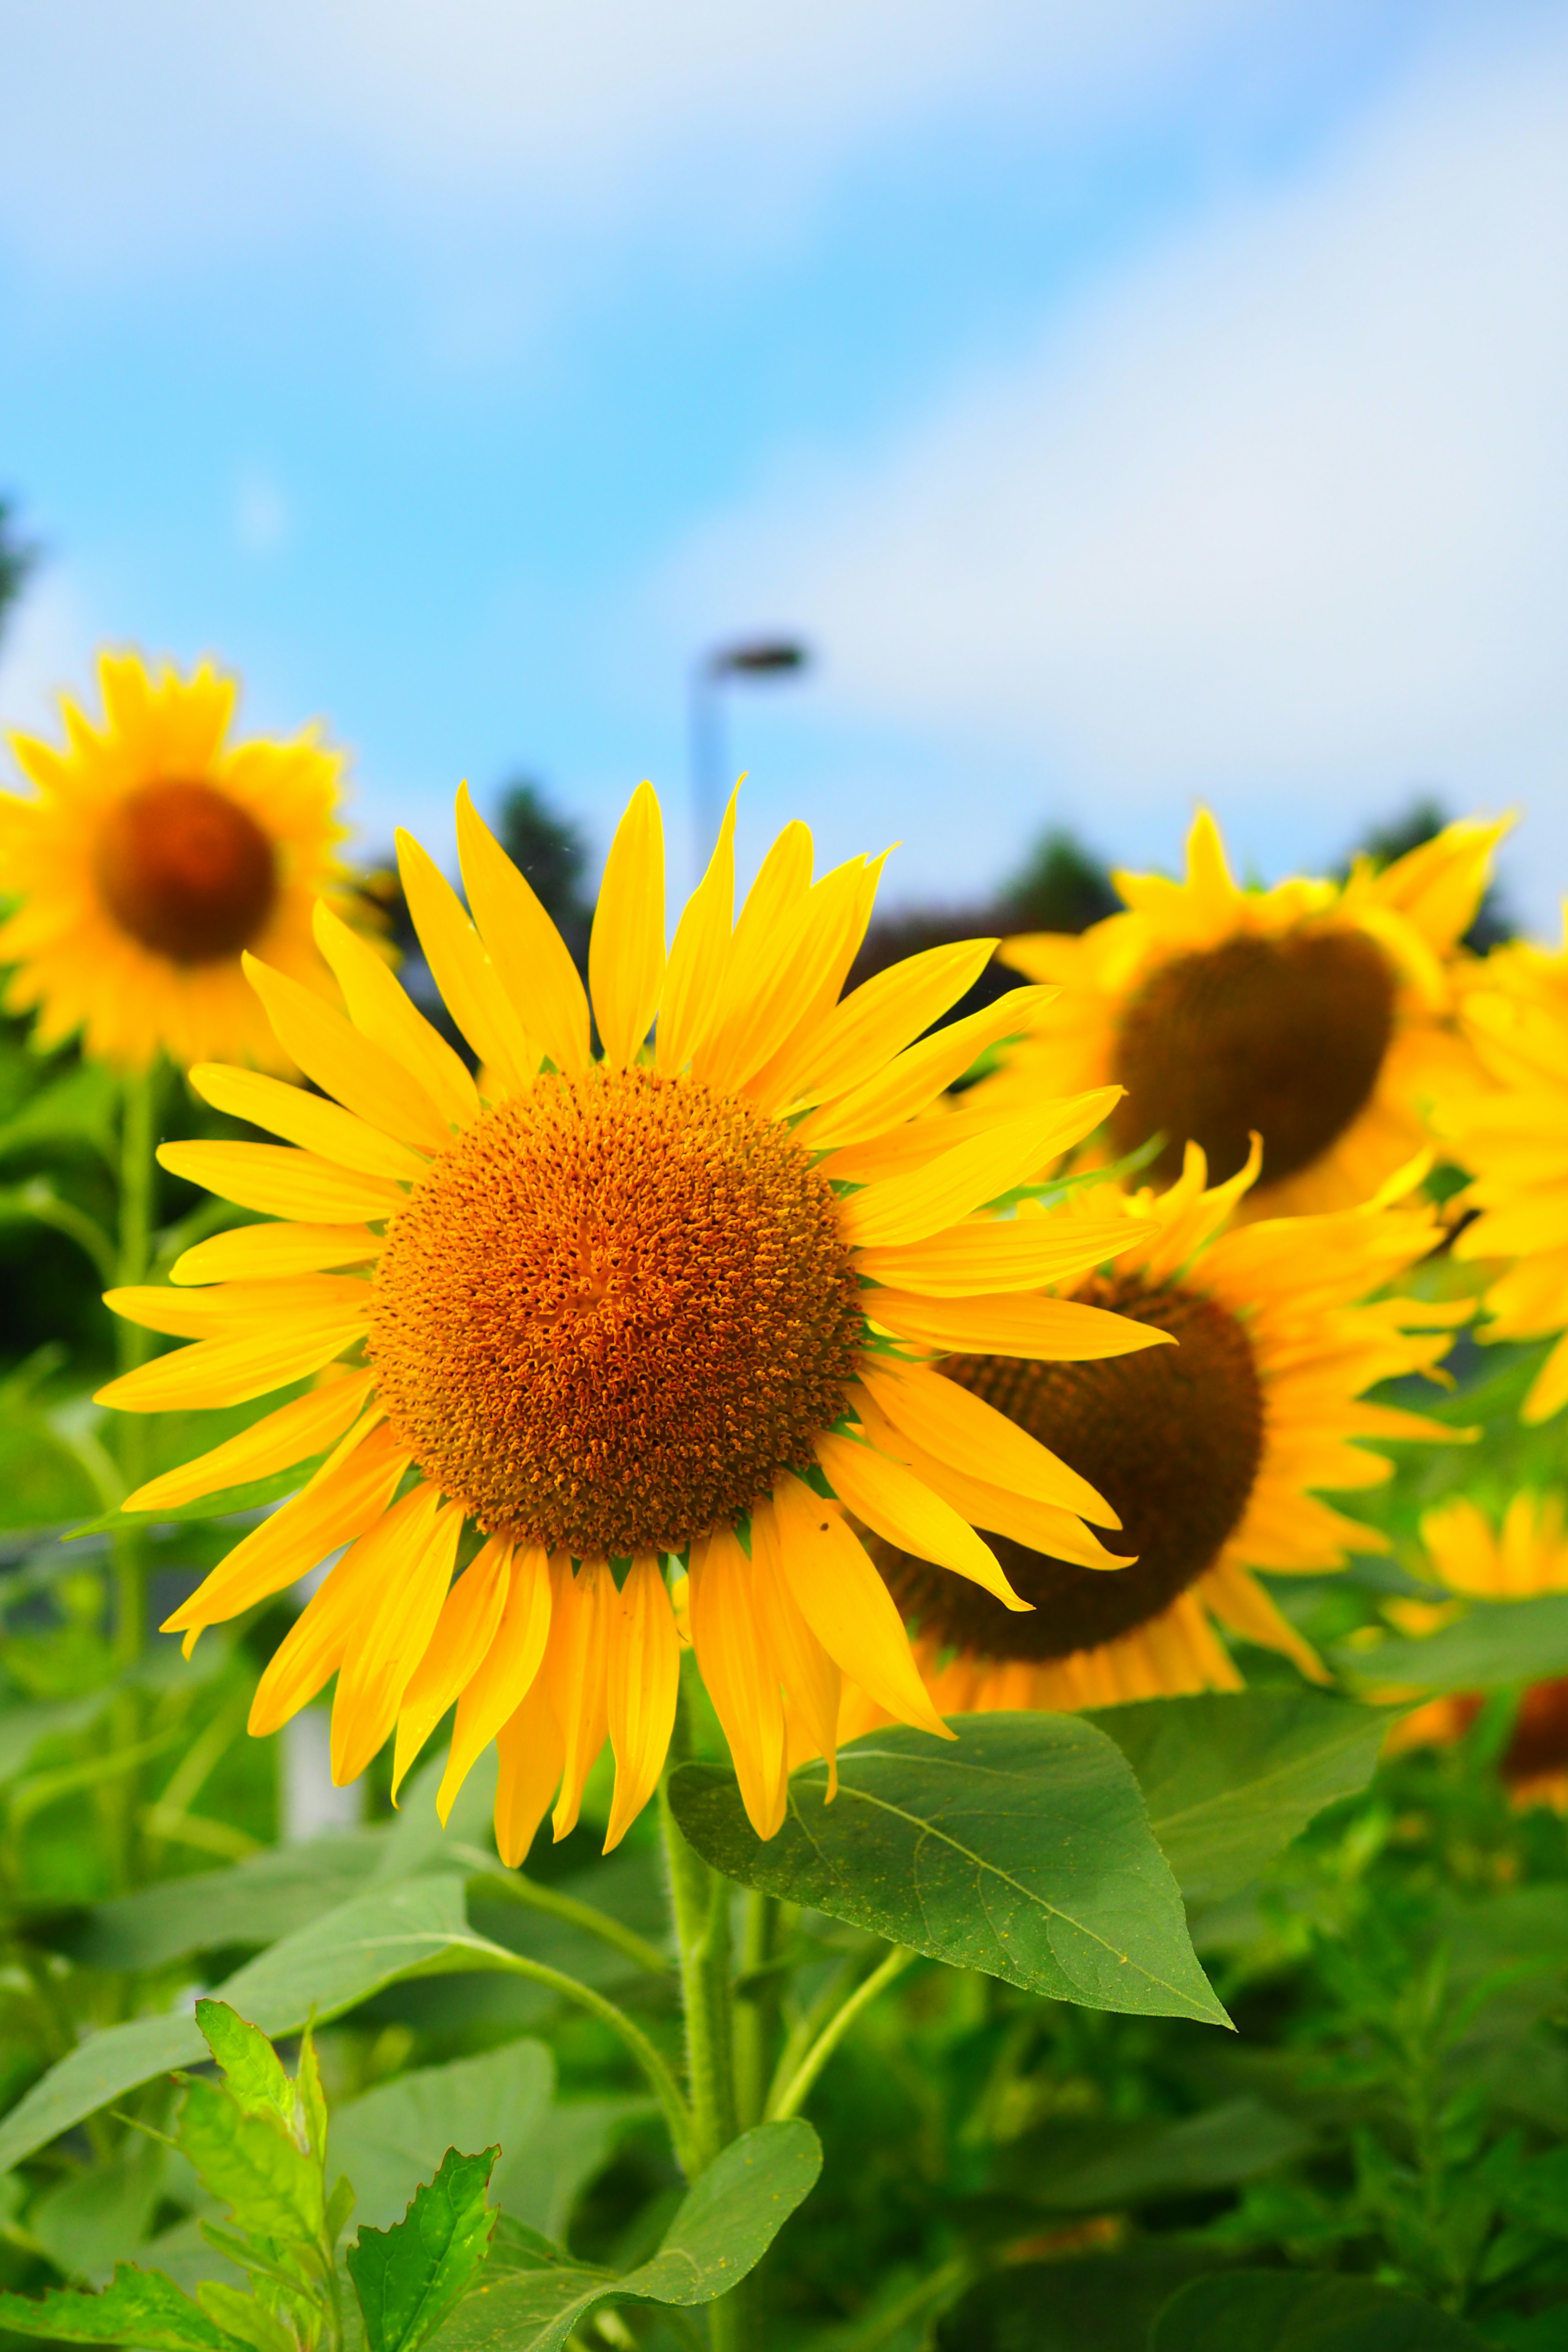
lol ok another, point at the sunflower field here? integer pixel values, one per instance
(712, 1640)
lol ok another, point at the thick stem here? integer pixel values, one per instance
(138, 1139)
(756, 2007)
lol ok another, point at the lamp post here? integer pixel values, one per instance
(746, 657)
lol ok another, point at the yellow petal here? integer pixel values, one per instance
(530, 1750)
(1238, 1601)
(281, 1182)
(694, 984)
(912, 1082)
(500, 1683)
(291, 1434)
(464, 1631)
(305, 1118)
(813, 1688)
(239, 1310)
(265, 1253)
(895, 1504)
(772, 989)
(946, 1421)
(346, 1064)
(1057, 1330)
(393, 1630)
(1002, 1253)
(878, 1019)
(575, 1668)
(382, 1010)
(527, 951)
(983, 1167)
(350, 1490)
(468, 981)
(626, 952)
(313, 1648)
(740, 1673)
(642, 1677)
(212, 1373)
(1057, 1534)
(847, 1604)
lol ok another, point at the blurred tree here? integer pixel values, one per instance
(1422, 821)
(551, 851)
(17, 558)
(1061, 887)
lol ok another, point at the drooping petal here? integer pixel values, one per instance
(507, 1674)
(531, 1751)
(626, 952)
(457, 1649)
(740, 1672)
(574, 1669)
(897, 1504)
(814, 1687)
(847, 1604)
(964, 1430)
(291, 1434)
(642, 1678)
(527, 951)
(391, 1634)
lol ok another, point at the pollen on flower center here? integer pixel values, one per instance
(185, 870)
(1284, 1036)
(1172, 1437)
(613, 1312)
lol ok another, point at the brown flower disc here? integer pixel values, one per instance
(1172, 1437)
(185, 870)
(1285, 1036)
(613, 1312)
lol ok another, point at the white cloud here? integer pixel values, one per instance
(1281, 517)
(175, 129)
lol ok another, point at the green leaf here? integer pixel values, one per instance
(1099, 2302)
(1296, 2311)
(256, 1901)
(330, 1966)
(250, 2163)
(1231, 1776)
(1023, 1849)
(1494, 1644)
(242, 2317)
(255, 1494)
(78, 1107)
(1099, 2167)
(87, 2221)
(409, 2277)
(727, 2221)
(393, 2139)
(250, 2064)
(138, 2307)
(24, 1729)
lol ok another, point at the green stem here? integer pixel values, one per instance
(138, 1139)
(795, 2092)
(513, 1888)
(756, 2008)
(666, 2089)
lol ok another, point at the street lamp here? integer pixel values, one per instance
(746, 657)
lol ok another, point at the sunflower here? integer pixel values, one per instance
(1527, 1554)
(1317, 1015)
(1512, 1136)
(664, 1303)
(151, 858)
(1210, 1451)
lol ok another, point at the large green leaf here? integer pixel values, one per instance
(1230, 1777)
(1297, 2311)
(326, 1968)
(1098, 2167)
(727, 2222)
(88, 2222)
(1494, 1644)
(394, 2138)
(407, 2278)
(139, 2307)
(1098, 2303)
(1021, 1849)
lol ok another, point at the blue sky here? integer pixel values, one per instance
(1129, 400)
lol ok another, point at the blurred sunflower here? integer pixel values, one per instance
(1512, 1136)
(1317, 1015)
(653, 1304)
(1527, 1554)
(1209, 1452)
(154, 855)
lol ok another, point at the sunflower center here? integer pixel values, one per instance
(1284, 1035)
(613, 1312)
(1172, 1437)
(185, 870)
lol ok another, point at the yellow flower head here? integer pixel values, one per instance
(1317, 1015)
(1512, 1135)
(151, 858)
(679, 1300)
(1211, 1452)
